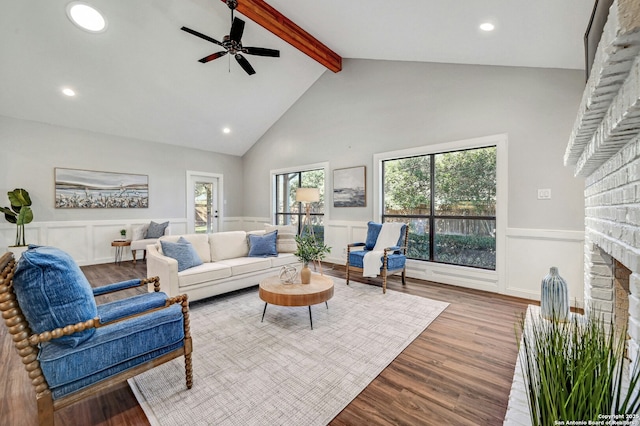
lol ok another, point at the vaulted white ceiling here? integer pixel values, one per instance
(141, 78)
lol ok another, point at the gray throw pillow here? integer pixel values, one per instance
(156, 230)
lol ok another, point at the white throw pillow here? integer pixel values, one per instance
(286, 241)
(138, 232)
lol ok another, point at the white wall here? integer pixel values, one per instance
(31, 151)
(377, 106)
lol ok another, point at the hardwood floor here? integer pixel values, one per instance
(458, 371)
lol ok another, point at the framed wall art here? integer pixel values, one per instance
(88, 189)
(349, 187)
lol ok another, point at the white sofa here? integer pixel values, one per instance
(226, 266)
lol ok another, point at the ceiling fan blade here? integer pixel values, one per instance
(237, 28)
(261, 51)
(245, 64)
(202, 36)
(212, 57)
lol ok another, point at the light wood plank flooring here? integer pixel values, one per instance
(458, 371)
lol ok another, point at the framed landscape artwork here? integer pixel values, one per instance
(349, 188)
(87, 189)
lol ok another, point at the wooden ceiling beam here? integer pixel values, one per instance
(263, 14)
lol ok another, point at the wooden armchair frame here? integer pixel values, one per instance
(383, 272)
(27, 345)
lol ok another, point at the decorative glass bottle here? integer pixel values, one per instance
(554, 298)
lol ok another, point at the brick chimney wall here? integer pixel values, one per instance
(605, 148)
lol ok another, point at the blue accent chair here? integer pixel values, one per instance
(72, 347)
(394, 258)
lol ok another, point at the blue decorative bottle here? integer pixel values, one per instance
(554, 298)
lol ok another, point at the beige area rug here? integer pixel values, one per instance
(280, 372)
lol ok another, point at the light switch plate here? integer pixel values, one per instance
(544, 194)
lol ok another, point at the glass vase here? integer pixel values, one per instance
(554, 297)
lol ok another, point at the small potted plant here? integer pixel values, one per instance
(123, 234)
(19, 213)
(309, 250)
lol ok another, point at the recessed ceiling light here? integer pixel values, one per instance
(68, 92)
(487, 26)
(86, 17)
(226, 130)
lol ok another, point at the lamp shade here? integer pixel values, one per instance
(307, 195)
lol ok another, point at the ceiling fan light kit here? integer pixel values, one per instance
(232, 43)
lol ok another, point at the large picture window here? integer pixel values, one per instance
(290, 212)
(448, 200)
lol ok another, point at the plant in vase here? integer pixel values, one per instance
(123, 233)
(309, 250)
(19, 213)
(575, 370)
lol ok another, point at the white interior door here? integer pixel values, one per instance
(203, 202)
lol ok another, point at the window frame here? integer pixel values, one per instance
(433, 216)
(324, 166)
(500, 142)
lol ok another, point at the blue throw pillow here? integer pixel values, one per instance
(263, 245)
(373, 230)
(156, 230)
(53, 292)
(183, 252)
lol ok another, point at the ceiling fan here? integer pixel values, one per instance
(232, 43)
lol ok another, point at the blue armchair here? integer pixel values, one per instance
(70, 346)
(393, 256)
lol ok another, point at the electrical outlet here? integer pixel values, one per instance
(544, 194)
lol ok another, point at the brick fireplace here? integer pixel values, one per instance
(605, 149)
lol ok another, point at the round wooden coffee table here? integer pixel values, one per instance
(319, 290)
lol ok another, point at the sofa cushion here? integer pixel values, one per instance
(183, 252)
(286, 241)
(204, 273)
(142, 244)
(53, 293)
(156, 230)
(243, 265)
(394, 261)
(114, 348)
(263, 245)
(283, 259)
(228, 245)
(200, 243)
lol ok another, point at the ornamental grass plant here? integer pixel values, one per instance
(574, 371)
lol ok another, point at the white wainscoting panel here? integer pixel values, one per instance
(530, 254)
(88, 242)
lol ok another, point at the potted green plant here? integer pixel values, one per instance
(19, 213)
(574, 370)
(309, 250)
(123, 233)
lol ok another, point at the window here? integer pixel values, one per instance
(448, 200)
(290, 212)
